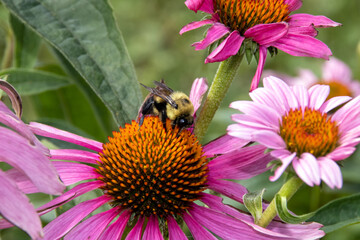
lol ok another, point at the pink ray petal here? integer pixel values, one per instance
(262, 58)
(293, 4)
(74, 155)
(196, 229)
(198, 89)
(286, 158)
(307, 169)
(214, 33)
(308, 31)
(330, 172)
(116, 229)
(29, 160)
(227, 48)
(265, 34)
(303, 20)
(318, 95)
(175, 232)
(241, 132)
(22, 181)
(16, 208)
(302, 95)
(249, 121)
(195, 25)
(135, 233)
(346, 114)
(232, 190)
(200, 5)
(223, 145)
(91, 228)
(333, 103)
(269, 139)
(51, 132)
(334, 69)
(341, 153)
(66, 221)
(152, 230)
(303, 46)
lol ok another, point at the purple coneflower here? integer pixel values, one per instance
(153, 178)
(293, 122)
(29, 158)
(269, 24)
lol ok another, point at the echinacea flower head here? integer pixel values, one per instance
(28, 158)
(335, 73)
(155, 177)
(293, 123)
(268, 23)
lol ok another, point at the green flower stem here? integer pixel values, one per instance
(218, 89)
(288, 190)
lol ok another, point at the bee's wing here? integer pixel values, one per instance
(162, 85)
(162, 91)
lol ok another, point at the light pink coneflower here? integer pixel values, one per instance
(293, 122)
(269, 24)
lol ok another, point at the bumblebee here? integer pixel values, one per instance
(166, 103)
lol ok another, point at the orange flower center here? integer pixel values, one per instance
(336, 89)
(241, 15)
(151, 170)
(309, 131)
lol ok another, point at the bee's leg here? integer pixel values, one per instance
(141, 121)
(163, 117)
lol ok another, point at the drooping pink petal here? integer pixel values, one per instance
(269, 139)
(230, 189)
(116, 229)
(152, 230)
(227, 48)
(286, 158)
(66, 221)
(198, 89)
(135, 233)
(74, 192)
(333, 103)
(214, 33)
(308, 230)
(293, 4)
(91, 228)
(74, 155)
(264, 34)
(304, 20)
(307, 169)
(308, 31)
(51, 132)
(318, 95)
(197, 231)
(223, 145)
(175, 232)
(16, 208)
(200, 5)
(22, 181)
(262, 58)
(29, 160)
(195, 25)
(303, 46)
(341, 153)
(71, 172)
(330, 172)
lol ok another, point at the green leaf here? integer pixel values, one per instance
(29, 82)
(285, 214)
(27, 44)
(338, 213)
(85, 32)
(253, 203)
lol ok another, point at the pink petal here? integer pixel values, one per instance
(264, 34)
(249, 121)
(227, 48)
(74, 192)
(214, 33)
(232, 190)
(117, 228)
(200, 5)
(318, 95)
(286, 158)
(270, 139)
(135, 233)
(198, 89)
(262, 58)
(223, 144)
(29, 160)
(302, 95)
(71, 172)
(240, 131)
(303, 46)
(16, 208)
(152, 230)
(308, 230)
(330, 173)
(333, 103)
(66, 221)
(197, 231)
(195, 25)
(22, 181)
(293, 4)
(91, 228)
(303, 20)
(175, 232)
(336, 70)
(341, 153)
(308, 31)
(74, 155)
(347, 113)
(307, 169)
(266, 97)
(51, 132)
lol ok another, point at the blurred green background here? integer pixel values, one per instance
(150, 30)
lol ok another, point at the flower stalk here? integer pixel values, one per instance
(224, 76)
(289, 188)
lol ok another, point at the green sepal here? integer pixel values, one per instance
(253, 203)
